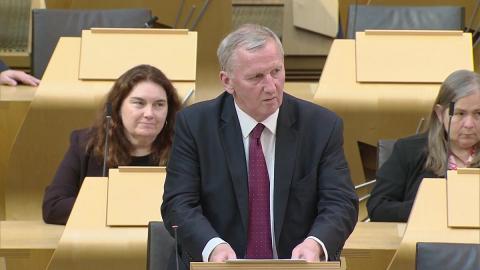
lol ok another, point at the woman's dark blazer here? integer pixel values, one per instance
(398, 180)
(77, 164)
(60, 195)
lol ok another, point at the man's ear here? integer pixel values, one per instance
(226, 81)
(439, 112)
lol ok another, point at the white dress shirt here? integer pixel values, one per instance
(247, 124)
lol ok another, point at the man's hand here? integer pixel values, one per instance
(221, 253)
(11, 77)
(308, 250)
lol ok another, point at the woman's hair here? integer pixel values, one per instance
(120, 147)
(457, 85)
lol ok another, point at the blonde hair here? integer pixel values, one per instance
(457, 85)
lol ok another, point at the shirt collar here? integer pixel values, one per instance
(247, 123)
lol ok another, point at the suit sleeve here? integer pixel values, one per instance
(337, 207)
(181, 198)
(60, 195)
(387, 202)
(3, 66)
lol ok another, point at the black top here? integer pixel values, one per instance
(141, 161)
(398, 180)
(77, 164)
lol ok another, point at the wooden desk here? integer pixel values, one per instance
(370, 111)
(14, 105)
(87, 243)
(428, 223)
(372, 244)
(28, 244)
(62, 103)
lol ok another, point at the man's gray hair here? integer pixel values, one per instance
(248, 36)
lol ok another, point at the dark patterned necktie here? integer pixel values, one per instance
(259, 243)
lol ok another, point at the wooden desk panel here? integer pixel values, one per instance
(370, 111)
(372, 244)
(14, 105)
(87, 243)
(62, 103)
(428, 223)
(28, 244)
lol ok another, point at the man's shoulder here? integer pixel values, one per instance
(207, 106)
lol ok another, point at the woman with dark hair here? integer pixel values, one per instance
(144, 104)
(425, 155)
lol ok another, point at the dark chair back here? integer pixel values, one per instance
(364, 17)
(48, 25)
(160, 246)
(447, 256)
(384, 150)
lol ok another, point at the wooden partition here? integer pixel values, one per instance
(463, 198)
(381, 95)
(373, 244)
(88, 242)
(428, 223)
(27, 245)
(212, 28)
(14, 105)
(134, 195)
(62, 103)
(269, 265)
(370, 111)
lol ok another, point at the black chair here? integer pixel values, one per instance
(160, 246)
(447, 256)
(368, 155)
(364, 17)
(48, 25)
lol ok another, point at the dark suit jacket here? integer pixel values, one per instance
(398, 180)
(206, 188)
(77, 164)
(3, 66)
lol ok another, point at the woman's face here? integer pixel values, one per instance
(143, 112)
(465, 127)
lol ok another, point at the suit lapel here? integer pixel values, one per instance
(232, 142)
(285, 150)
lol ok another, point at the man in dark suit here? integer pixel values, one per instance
(12, 77)
(291, 199)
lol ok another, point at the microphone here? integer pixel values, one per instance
(451, 108)
(151, 22)
(108, 118)
(175, 227)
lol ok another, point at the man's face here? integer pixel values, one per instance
(256, 80)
